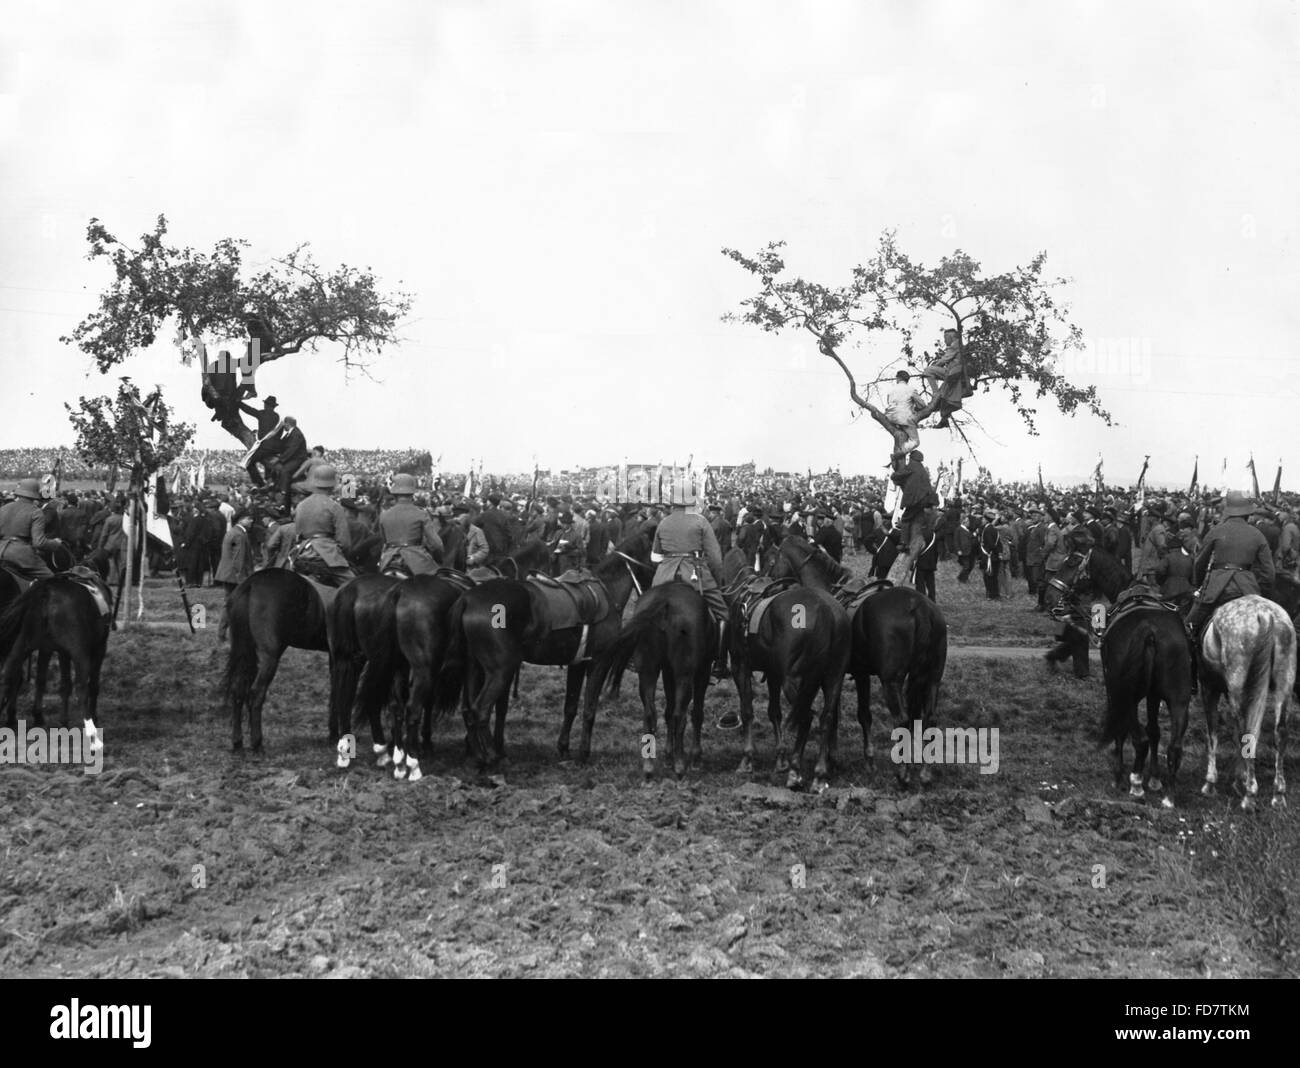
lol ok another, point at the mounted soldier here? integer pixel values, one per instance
(322, 528)
(22, 533)
(410, 537)
(686, 549)
(1234, 561)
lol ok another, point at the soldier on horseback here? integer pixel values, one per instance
(1234, 561)
(410, 536)
(686, 548)
(322, 527)
(22, 532)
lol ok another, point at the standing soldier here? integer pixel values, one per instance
(1034, 549)
(236, 563)
(280, 542)
(569, 549)
(1155, 547)
(1288, 545)
(1054, 554)
(409, 535)
(495, 524)
(475, 545)
(721, 527)
(322, 529)
(686, 548)
(22, 532)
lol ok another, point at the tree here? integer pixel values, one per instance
(128, 432)
(1009, 326)
(291, 306)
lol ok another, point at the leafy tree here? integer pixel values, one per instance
(1010, 325)
(127, 432)
(291, 306)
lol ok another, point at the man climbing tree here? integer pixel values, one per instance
(291, 306)
(1005, 328)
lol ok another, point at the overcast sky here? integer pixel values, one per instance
(554, 182)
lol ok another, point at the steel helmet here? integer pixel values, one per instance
(324, 477)
(1237, 503)
(403, 486)
(29, 488)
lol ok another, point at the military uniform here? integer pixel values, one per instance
(1234, 561)
(690, 552)
(322, 527)
(22, 532)
(410, 536)
(1155, 547)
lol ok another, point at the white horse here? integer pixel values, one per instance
(1249, 654)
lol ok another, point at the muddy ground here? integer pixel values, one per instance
(181, 859)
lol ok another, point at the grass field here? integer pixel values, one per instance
(182, 859)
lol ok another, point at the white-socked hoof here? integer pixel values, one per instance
(413, 773)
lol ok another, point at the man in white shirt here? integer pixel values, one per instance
(902, 402)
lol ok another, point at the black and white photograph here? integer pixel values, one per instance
(564, 489)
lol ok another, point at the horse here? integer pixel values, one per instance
(1146, 655)
(57, 615)
(898, 635)
(1082, 576)
(356, 633)
(671, 635)
(801, 639)
(505, 622)
(270, 611)
(403, 642)
(1248, 653)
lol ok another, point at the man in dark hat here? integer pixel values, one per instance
(268, 447)
(828, 536)
(721, 528)
(568, 549)
(1155, 547)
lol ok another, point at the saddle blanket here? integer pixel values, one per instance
(575, 599)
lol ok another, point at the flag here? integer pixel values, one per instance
(1142, 483)
(435, 472)
(957, 488)
(468, 489)
(1096, 474)
(1196, 467)
(1254, 479)
(201, 474)
(1277, 484)
(50, 483)
(154, 523)
(1223, 477)
(1041, 487)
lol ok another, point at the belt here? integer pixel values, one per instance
(1228, 567)
(696, 555)
(15, 537)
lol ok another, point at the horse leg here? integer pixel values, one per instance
(1210, 702)
(571, 699)
(65, 687)
(862, 683)
(774, 717)
(1140, 747)
(1174, 753)
(268, 663)
(647, 679)
(697, 721)
(831, 692)
(922, 696)
(745, 693)
(38, 694)
(1079, 652)
(1281, 699)
(893, 688)
(1152, 771)
(683, 689)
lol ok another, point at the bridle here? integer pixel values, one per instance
(628, 561)
(1069, 592)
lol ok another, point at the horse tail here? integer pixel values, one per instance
(1135, 676)
(451, 679)
(1259, 675)
(615, 660)
(241, 664)
(377, 680)
(13, 618)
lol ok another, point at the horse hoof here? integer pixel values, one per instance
(820, 786)
(1279, 800)
(1247, 803)
(648, 770)
(793, 780)
(563, 750)
(1208, 789)
(413, 772)
(1154, 784)
(342, 761)
(1167, 802)
(746, 767)
(1136, 791)
(383, 759)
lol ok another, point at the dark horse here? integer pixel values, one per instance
(898, 635)
(356, 626)
(57, 615)
(1083, 577)
(802, 642)
(504, 622)
(269, 612)
(402, 641)
(671, 635)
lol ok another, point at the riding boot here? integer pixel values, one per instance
(720, 660)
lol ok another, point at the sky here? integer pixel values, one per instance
(554, 183)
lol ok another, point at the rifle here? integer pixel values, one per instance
(189, 615)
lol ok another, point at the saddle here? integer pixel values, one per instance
(574, 599)
(852, 593)
(752, 594)
(83, 576)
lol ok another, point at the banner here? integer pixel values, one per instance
(50, 483)
(1196, 467)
